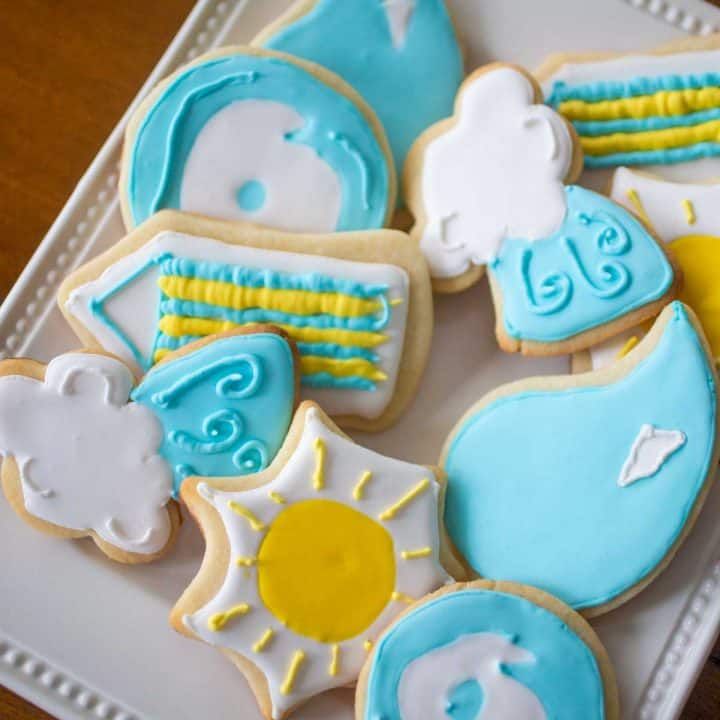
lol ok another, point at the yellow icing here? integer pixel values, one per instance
(218, 621)
(689, 209)
(634, 198)
(359, 488)
(318, 478)
(352, 367)
(246, 513)
(262, 643)
(393, 510)
(415, 554)
(334, 660)
(627, 347)
(295, 662)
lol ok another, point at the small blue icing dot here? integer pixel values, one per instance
(465, 701)
(251, 196)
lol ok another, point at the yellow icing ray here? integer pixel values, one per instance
(634, 198)
(276, 497)
(334, 660)
(358, 490)
(240, 297)
(219, 620)
(245, 561)
(689, 209)
(627, 347)
(652, 139)
(665, 103)
(352, 367)
(367, 645)
(244, 512)
(318, 478)
(262, 643)
(396, 301)
(415, 554)
(391, 511)
(402, 597)
(297, 660)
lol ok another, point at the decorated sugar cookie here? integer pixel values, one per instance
(402, 56)
(248, 134)
(687, 217)
(225, 403)
(488, 650)
(567, 267)
(585, 485)
(359, 305)
(659, 108)
(308, 561)
(80, 460)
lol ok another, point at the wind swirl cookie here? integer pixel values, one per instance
(250, 134)
(402, 56)
(308, 561)
(613, 469)
(358, 305)
(568, 267)
(488, 650)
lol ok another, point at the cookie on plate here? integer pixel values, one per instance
(567, 266)
(308, 561)
(250, 134)
(359, 305)
(586, 485)
(488, 649)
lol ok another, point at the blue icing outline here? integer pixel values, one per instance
(410, 87)
(552, 514)
(600, 265)
(225, 407)
(655, 157)
(335, 129)
(595, 128)
(565, 676)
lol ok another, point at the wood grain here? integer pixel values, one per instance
(68, 71)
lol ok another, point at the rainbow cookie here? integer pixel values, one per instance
(586, 485)
(402, 56)
(308, 561)
(567, 267)
(359, 305)
(488, 649)
(658, 108)
(250, 134)
(80, 461)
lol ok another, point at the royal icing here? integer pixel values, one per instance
(567, 479)
(225, 407)
(348, 318)
(401, 55)
(479, 655)
(321, 559)
(255, 137)
(639, 110)
(87, 459)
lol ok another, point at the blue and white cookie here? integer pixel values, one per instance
(488, 650)
(250, 134)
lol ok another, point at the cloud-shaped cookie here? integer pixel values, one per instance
(496, 172)
(88, 460)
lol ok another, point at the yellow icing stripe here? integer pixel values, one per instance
(358, 490)
(415, 554)
(393, 510)
(639, 207)
(627, 347)
(240, 297)
(318, 479)
(245, 561)
(652, 139)
(367, 645)
(665, 103)
(160, 354)
(334, 660)
(265, 638)
(242, 511)
(297, 660)
(276, 497)
(689, 209)
(402, 597)
(219, 620)
(352, 367)
(178, 326)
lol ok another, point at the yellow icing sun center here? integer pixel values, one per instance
(325, 570)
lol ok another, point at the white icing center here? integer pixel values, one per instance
(399, 13)
(649, 451)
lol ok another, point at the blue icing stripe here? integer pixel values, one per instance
(333, 350)
(533, 490)
(410, 83)
(326, 380)
(226, 407)
(335, 129)
(655, 157)
(564, 676)
(595, 128)
(598, 266)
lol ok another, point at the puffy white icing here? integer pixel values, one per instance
(649, 452)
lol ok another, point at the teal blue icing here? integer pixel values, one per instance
(326, 380)
(226, 407)
(333, 350)
(251, 196)
(168, 131)
(564, 677)
(409, 87)
(595, 128)
(600, 265)
(533, 492)
(669, 156)
(465, 701)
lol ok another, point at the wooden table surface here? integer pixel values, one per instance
(68, 71)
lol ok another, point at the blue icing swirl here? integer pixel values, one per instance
(335, 129)
(226, 407)
(564, 677)
(410, 86)
(533, 493)
(599, 265)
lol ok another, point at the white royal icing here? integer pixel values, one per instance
(649, 451)
(88, 460)
(497, 173)
(292, 174)
(414, 527)
(399, 14)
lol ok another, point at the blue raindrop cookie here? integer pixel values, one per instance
(402, 56)
(250, 134)
(586, 485)
(488, 650)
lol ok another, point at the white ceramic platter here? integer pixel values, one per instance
(86, 638)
